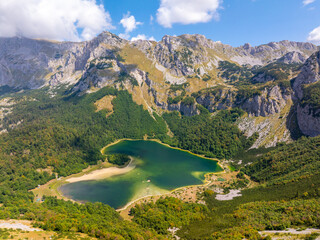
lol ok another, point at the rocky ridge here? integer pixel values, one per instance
(162, 75)
(307, 114)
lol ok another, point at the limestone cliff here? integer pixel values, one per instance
(176, 73)
(306, 87)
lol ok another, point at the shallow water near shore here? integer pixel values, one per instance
(158, 169)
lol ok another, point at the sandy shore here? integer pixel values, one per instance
(102, 173)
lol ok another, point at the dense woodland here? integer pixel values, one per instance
(119, 159)
(215, 136)
(167, 213)
(64, 134)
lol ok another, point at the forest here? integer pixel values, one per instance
(211, 136)
(63, 134)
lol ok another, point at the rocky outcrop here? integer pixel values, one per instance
(150, 70)
(184, 109)
(270, 52)
(180, 54)
(307, 115)
(28, 63)
(310, 73)
(308, 120)
(293, 57)
(218, 99)
(269, 102)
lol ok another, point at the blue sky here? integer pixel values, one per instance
(233, 22)
(240, 21)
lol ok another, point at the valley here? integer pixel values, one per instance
(154, 170)
(254, 109)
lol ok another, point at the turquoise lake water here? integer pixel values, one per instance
(158, 169)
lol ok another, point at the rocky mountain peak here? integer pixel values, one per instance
(246, 46)
(109, 39)
(310, 73)
(292, 57)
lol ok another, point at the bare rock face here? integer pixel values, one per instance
(271, 101)
(308, 120)
(185, 109)
(308, 116)
(217, 100)
(28, 63)
(25, 62)
(310, 73)
(175, 60)
(180, 54)
(270, 52)
(292, 57)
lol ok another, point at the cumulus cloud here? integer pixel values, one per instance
(187, 11)
(307, 2)
(73, 20)
(314, 36)
(129, 23)
(142, 37)
(124, 35)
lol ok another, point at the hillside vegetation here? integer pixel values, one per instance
(63, 134)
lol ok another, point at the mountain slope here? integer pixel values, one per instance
(163, 75)
(90, 94)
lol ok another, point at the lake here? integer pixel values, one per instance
(158, 169)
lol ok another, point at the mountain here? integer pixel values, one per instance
(28, 63)
(176, 73)
(307, 91)
(256, 109)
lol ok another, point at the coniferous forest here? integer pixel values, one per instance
(66, 132)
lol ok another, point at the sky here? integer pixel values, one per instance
(233, 22)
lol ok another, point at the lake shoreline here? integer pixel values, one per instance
(103, 173)
(164, 144)
(107, 172)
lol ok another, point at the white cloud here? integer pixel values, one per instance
(129, 22)
(307, 2)
(142, 37)
(187, 11)
(314, 36)
(124, 35)
(73, 20)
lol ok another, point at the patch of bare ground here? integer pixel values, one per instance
(292, 234)
(23, 229)
(49, 169)
(43, 235)
(105, 103)
(18, 224)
